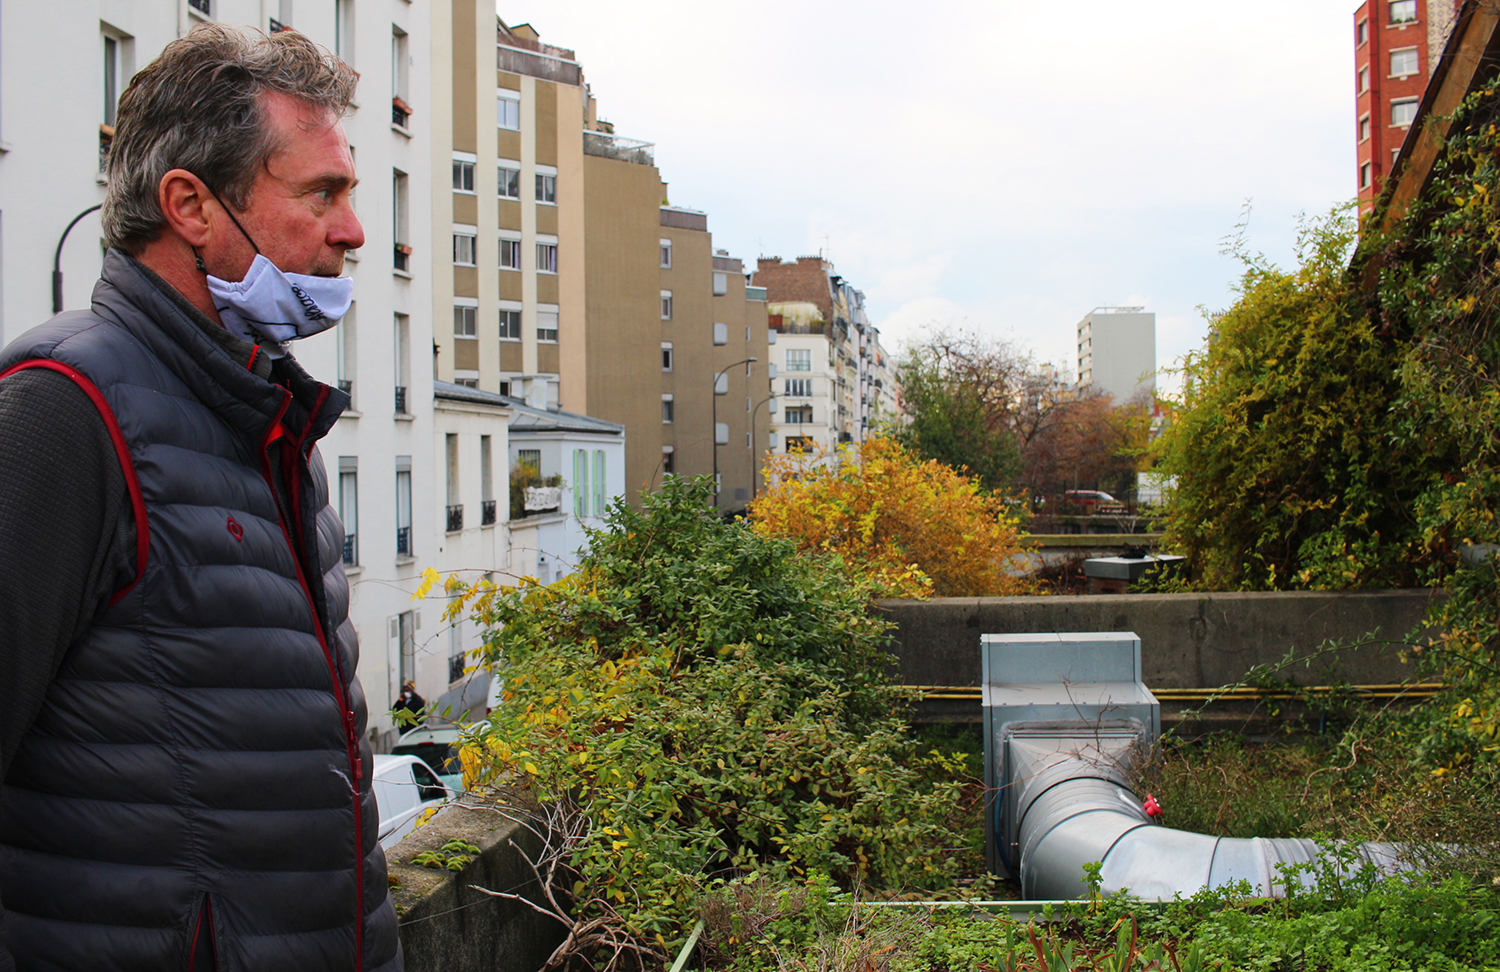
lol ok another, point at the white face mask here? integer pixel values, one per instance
(270, 304)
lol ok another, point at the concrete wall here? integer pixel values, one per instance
(446, 926)
(1187, 640)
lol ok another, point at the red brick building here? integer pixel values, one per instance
(1396, 47)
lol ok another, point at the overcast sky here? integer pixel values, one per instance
(996, 165)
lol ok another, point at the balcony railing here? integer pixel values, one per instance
(455, 518)
(487, 513)
(347, 387)
(400, 112)
(400, 399)
(614, 147)
(202, 6)
(455, 667)
(351, 549)
(106, 137)
(403, 541)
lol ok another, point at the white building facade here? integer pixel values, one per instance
(1117, 352)
(62, 69)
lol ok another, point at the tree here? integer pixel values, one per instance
(982, 406)
(912, 526)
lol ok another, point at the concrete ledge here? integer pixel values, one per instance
(446, 926)
(1187, 640)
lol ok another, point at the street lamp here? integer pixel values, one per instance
(716, 421)
(755, 448)
(57, 278)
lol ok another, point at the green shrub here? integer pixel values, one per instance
(714, 702)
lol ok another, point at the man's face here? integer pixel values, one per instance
(300, 213)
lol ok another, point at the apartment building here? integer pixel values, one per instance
(1117, 352)
(60, 79)
(1397, 45)
(836, 382)
(571, 284)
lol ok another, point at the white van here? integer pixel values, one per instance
(404, 787)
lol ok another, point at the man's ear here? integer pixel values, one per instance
(183, 199)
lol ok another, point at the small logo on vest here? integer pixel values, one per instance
(235, 530)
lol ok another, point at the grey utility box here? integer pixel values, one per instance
(1069, 685)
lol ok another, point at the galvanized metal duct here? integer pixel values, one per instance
(1074, 810)
(1064, 716)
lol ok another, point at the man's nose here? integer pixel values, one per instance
(347, 232)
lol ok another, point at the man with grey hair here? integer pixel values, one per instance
(185, 779)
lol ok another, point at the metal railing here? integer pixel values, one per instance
(202, 6)
(399, 114)
(403, 541)
(351, 549)
(347, 387)
(402, 259)
(455, 518)
(455, 667)
(487, 513)
(614, 147)
(400, 399)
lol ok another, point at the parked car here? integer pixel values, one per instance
(1093, 501)
(436, 744)
(404, 787)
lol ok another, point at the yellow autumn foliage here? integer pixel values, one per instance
(917, 529)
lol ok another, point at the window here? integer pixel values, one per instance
(455, 508)
(546, 323)
(349, 507)
(1364, 80)
(721, 334)
(486, 481)
(1364, 128)
(666, 254)
(598, 482)
(400, 63)
(1403, 11)
(798, 416)
(1403, 62)
(111, 78)
(463, 245)
(404, 634)
(1404, 112)
(580, 482)
(721, 283)
(798, 359)
(466, 382)
(510, 324)
(343, 30)
(455, 656)
(666, 356)
(510, 180)
(546, 185)
(400, 216)
(798, 388)
(666, 410)
(466, 322)
(402, 361)
(463, 172)
(1362, 32)
(403, 507)
(666, 305)
(345, 332)
(510, 253)
(530, 457)
(509, 109)
(546, 257)
(668, 465)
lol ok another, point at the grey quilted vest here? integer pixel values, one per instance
(198, 767)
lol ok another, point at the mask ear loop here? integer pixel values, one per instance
(230, 213)
(198, 261)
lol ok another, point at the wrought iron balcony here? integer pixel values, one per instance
(455, 518)
(202, 6)
(351, 549)
(403, 541)
(487, 513)
(456, 667)
(400, 112)
(400, 399)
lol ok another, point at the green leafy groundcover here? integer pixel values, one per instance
(1363, 924)
(713, 702)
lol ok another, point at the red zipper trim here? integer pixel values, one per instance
(356, 765)
(122, 452)
(207, 911)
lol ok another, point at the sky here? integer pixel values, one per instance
(994, 166)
